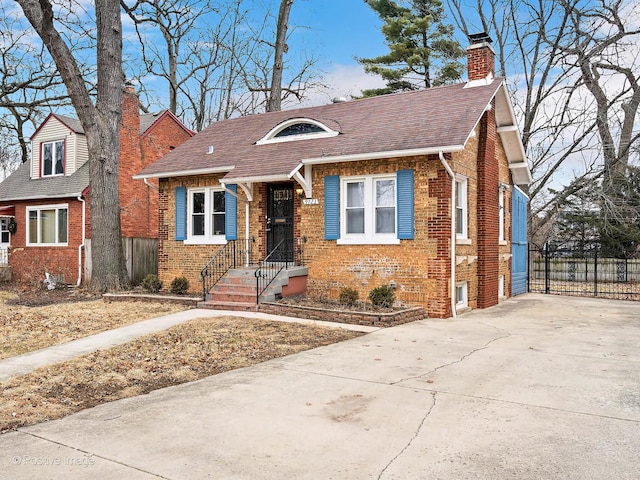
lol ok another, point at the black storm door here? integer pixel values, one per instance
(280, 221)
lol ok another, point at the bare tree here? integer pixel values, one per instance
(176, 20)
(9, 158)
(601, 47)
(552, 53)
(29, 82)
(101, 122)
(270, 80)
(274, 102)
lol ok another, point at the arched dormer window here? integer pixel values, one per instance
(297, 129)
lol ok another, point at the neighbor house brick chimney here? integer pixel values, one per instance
(130, 164)
(480, 57)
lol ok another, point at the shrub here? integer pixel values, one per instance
(179, 285)
(151, 283)
(383, 296)
(348, 296)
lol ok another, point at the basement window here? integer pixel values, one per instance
(462, 295)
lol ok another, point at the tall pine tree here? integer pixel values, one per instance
(422, 50)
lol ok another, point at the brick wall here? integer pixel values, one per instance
(488, 248)
(175, 259)
(138, 201)
(30, 263)
(133, 207)
(420, 267)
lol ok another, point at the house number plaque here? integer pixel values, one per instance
(310, 201)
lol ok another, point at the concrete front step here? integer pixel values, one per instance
(232, 297)
(233, 306)
(233, 288)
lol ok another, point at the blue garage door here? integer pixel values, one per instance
(519, 242)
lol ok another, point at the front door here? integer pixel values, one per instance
(280, 221)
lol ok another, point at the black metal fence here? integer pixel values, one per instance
(567, 270)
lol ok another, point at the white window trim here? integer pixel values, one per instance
(61, 206)
(271, 136)
(369, 237)
(462, 183)
(464, 301)
(53, 163)
(4, 222)
(202, 239)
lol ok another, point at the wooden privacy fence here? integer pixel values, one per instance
(141, 258)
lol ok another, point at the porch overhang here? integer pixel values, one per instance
(8, 211)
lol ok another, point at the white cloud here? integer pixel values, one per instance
(343, 81)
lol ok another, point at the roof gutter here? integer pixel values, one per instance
(184, 173)
(452, 293)
(42, 197)
(355, 157)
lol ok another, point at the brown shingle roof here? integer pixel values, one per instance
(440, 117)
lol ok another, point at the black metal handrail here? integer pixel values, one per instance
(287, 253)
(234, 254)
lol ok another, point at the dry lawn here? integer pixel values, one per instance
(181, 354)
(26, 328)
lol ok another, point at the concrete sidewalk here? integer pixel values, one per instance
(22, 364)
(539, 387)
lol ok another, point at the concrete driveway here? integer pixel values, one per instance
(539, 387)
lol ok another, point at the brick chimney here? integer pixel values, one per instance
(132, 200)
(480, 57)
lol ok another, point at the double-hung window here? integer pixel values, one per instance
(461, 208)
(47, 225)
(52, 161)
(206, 216)
(4, 230)
(369, 209)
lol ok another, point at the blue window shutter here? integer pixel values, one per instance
(231, 213)
(404, 209)
(181, 213)
(331, 207)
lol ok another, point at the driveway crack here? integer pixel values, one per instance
(415, 435)
(459, 360)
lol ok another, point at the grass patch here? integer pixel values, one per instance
(183, 353)
(24, 329)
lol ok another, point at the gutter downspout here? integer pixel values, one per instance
(146, 182)
(452, 294)
(81, 246)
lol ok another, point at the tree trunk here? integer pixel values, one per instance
(275, 95)
(101, 123)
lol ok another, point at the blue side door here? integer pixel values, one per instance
(518, 242)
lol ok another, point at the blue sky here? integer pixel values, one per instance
(339, 29)
(336, 31)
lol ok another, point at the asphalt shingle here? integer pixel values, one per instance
(433, 118)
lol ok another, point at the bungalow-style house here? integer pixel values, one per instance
(415, 190)
(44, 205)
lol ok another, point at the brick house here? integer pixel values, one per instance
(44, 204)
(412, 190)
